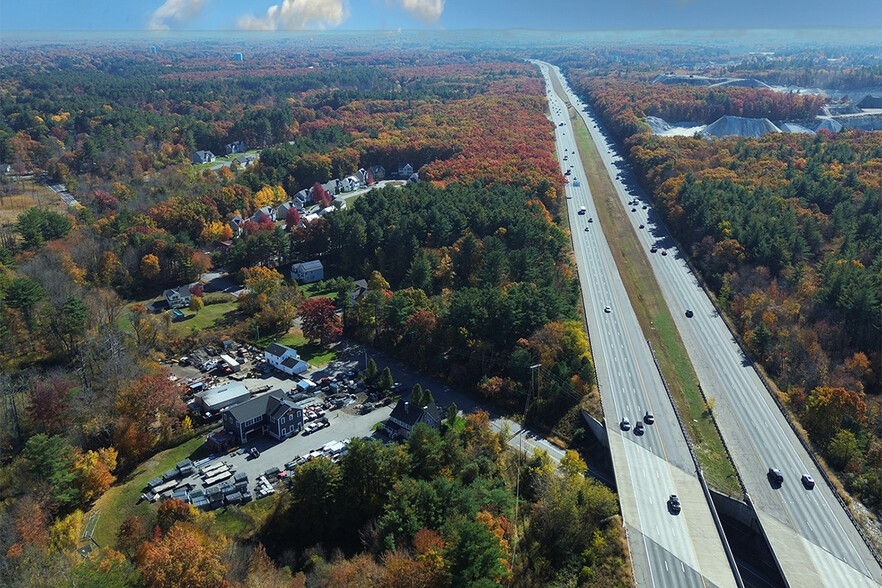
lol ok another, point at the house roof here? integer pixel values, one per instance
(220, 395)
(290, 362)
(411, 415)
(308, 266)
(278, 406)
(259, 406)
(277, 349)
(182, 291)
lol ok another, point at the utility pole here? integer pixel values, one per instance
(533, 369)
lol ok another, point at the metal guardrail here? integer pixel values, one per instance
(698, 471)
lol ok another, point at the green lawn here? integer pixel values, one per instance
(653, 314)
(212, 316)
(121, 501)
(312, 353)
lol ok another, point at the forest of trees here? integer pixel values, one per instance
(476, 247)
(785, 230)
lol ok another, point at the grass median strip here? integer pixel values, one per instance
(655, 319)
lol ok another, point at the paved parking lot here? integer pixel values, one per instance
(346, 423)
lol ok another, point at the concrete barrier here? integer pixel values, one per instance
(598, 428)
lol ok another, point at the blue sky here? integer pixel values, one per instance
(116, 15)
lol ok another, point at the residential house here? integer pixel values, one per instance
(405, 416)
(360, 288)
(203, 157)
(308, 272)
(271, 413)
(365, 177)
(245, 160)
(378, 171)
(284, 359)
(284, 208)
(351, 183)
(405, 171)
(5, 168)
(414, 178)
(304, 195)
(267, 212)
(235, 147)
(310, 217)
(327, 210)
(179, 297)
(236, 224)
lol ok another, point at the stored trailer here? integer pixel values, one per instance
(225, 475)
(210, 468)
(165, 486)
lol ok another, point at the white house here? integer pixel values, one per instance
(178, 297)
(284, 359)
(308, 272)
(405, 171)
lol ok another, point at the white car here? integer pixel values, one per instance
(607, 309)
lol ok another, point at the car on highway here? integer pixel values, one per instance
(664, 251)
(776, 479)
(638, 428)
(582, 210)
(644, 207)
(654, 249)
(808, 481)
(607, 309)
(590, 219)
(689, 313)
(625, 424)
(674, 504)
(586, 229)
(633, 210)
(641, 225)
(648, 418)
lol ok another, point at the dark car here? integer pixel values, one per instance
(776, 479)
(641, 225)
(653, 250)
(808, 481)
(674, 504)
(625, 424)
(689, 313)
(648, 418)
(638, 428)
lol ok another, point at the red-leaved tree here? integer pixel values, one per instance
(292, 218)
(319, 320)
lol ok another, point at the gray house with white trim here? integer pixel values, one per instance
(271, 413)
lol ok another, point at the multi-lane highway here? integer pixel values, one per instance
(814, 541)
(667, 548)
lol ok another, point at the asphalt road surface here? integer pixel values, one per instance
(813, 539)
(667, 549)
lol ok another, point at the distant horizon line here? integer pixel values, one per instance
(245, 32)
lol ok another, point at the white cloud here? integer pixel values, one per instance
(295, 15)
(176, 11)
(423, 10)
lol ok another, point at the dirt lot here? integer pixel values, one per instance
(34, 194)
